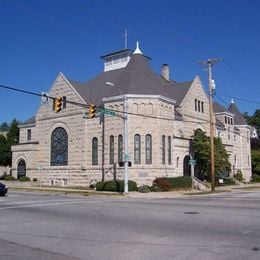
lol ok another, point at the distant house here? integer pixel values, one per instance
(70, 148)
(3, 132)
(254, 133)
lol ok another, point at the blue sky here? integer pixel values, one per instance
(39, 39)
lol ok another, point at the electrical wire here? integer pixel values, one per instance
(121, 114)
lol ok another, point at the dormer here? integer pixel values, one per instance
(223, 115)
(117, 60)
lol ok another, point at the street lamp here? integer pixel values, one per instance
(125, 118)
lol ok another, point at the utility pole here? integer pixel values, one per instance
(126, 145)
(210, 63)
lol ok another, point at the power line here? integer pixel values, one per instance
(239, 98)
(201, 121)
(49, 19)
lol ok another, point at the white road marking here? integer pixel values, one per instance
(50, 203)
(39, 201)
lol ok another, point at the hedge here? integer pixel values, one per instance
(9, 178)
(167, 184)
(116, 186)
(24, 178)
(181, 182)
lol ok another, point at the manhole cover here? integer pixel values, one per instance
(191, 212)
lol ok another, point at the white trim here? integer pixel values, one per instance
(132, 96)
(227, 113)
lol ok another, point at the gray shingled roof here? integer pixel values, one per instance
(238, 119)
(217, 108)
(136, 78)
(30, 120)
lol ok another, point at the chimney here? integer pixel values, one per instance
(166, 72)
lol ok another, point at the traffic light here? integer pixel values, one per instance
(92, 111)
(57, 104)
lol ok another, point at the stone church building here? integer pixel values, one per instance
(70, 148)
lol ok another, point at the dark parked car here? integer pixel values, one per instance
(3, 189)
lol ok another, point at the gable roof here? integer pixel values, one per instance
(238, 119)
(136, 78)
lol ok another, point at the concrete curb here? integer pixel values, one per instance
(132, 195)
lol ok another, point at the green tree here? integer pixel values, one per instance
(11, 138)
(201, 149)
(256, 162)
(4, 151)
(4, 126)
(254, 120)
(13, 133)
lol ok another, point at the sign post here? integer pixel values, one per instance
(192, 162)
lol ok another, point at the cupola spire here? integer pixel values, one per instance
(137, 50)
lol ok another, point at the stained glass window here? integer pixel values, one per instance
(59, 147)
(94, 151)
(148, 149)
(137, 149)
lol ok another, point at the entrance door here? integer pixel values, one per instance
(186, 166)
(21, 169)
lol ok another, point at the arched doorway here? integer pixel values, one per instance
(186, 166)
(21, 168)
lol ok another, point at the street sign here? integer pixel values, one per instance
(192, 162)
(127, 157)
(106, 111)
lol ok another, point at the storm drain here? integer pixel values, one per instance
(191, 212)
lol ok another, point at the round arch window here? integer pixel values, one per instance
(21, 168)
(59, 147)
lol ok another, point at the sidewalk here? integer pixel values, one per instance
(30, 186)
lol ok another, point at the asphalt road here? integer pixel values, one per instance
(47, 226)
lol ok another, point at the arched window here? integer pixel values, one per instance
(202, 107)
(111, 149)
(137, 149)
(95, 151)
(21, 168)
(135, 108)
(59, 147)
(150, 109)
(148, 149)
(163, 149)
(120, 148)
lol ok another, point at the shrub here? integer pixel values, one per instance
(100, 185)
(163, 183)
(181, 182)
(144, 189)
(2, 177)
(239, 176)
(117, 186)
(35, 179)
(255, 178)
(155, 188)
(24, 178)
(9, 178)
(229, 181)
